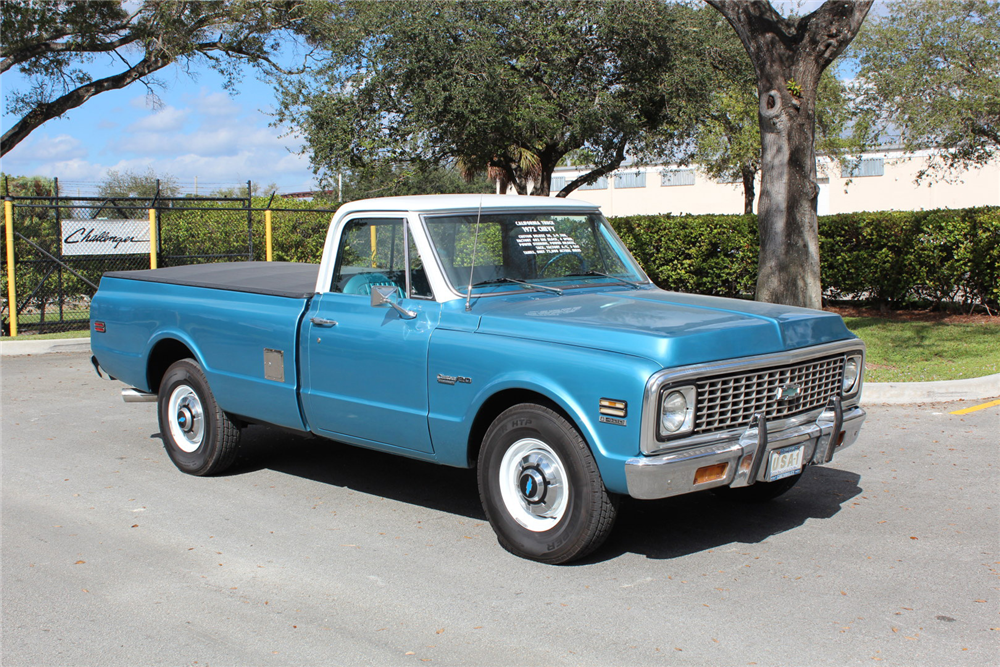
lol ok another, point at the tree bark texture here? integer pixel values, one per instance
(789, 55)
(748, 173)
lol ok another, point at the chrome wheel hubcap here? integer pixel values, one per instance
(533, 484)
(186, 418)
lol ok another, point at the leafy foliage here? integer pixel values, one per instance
(510, 87)
(389, 180)
(890, 258)
(55, 43)
(929, 73)
(705, 254)
(893, 257)
(127, 183)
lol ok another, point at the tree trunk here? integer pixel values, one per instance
(749, 189)
(789, 56)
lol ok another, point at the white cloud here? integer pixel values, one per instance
(167, 119)
(60, 147)
(292, 163)
(214, 104)
(30, 156)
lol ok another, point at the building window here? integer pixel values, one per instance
(677, 177)
(636, 179)
(873, 166)
(600, 184)
(557, 183)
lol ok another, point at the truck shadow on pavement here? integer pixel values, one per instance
(658, 529)
(683, 525)
(442, 488)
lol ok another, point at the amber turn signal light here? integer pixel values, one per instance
(711, 473)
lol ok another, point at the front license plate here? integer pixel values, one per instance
(785, 462)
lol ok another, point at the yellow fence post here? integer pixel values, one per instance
(8, 219)
(152, 238)
(267, 232)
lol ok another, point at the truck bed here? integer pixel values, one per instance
(240, 321)
(284, 279)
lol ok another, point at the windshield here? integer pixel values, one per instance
(547, 250)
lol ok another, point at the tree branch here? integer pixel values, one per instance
(597, 172)
(71, 100)
(37, 50)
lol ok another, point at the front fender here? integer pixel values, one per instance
(573, 378)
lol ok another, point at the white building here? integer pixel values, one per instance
(881, 181)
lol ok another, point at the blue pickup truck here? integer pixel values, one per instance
(515, 335)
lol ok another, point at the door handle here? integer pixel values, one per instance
(320, 322)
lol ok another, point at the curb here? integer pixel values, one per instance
(18, 348)
(892, 393)
(897, 393)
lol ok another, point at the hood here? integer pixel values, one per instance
(670, 328)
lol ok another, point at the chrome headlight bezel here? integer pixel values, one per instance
(851, 381)
(683, 399)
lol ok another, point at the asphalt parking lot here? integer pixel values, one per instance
(314, 553)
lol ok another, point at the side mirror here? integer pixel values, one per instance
(381, 295)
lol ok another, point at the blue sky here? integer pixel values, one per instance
(199, 131)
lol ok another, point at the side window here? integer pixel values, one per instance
(372, 253)
(420, 287)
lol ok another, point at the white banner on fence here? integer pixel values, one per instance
(105, 237)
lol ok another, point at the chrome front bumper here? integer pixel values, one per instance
(747, 454)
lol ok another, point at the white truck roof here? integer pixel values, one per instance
(424, 203)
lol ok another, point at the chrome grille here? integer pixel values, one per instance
(730, 401)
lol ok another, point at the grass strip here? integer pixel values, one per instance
(901, 351)
(82, 333)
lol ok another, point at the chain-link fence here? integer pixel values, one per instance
(63, 245)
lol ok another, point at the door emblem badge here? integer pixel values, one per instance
(453, 379)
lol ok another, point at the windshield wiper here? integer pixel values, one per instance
(497, 281)
(630, 283)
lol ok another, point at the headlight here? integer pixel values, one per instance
(852, 374)
(677, 411)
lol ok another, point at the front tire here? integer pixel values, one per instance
(540, 487)
(199, 437)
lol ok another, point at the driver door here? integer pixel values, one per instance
(365, 368)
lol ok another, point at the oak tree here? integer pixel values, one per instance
(789, 56)
(504, 87)
(726, 142)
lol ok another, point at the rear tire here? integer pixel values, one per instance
(199, 437)
(540, 487)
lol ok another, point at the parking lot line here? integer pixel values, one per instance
(974, 408)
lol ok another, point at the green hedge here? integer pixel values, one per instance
(706, 254)
(889, 258)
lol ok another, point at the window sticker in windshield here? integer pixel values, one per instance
(539, 237)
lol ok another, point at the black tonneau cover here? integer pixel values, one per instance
(287, 279)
